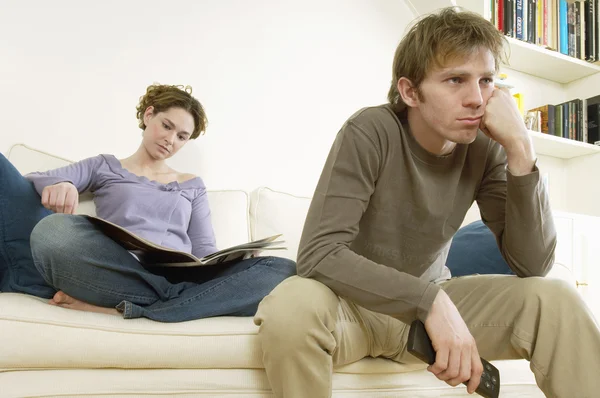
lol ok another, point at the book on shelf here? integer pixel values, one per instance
(153, 255)
(569, 27)
(593, 120)
(576, 119)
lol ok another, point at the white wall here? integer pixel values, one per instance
(277, 78)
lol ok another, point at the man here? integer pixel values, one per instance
(395, 188)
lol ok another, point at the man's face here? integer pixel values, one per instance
(452, 99)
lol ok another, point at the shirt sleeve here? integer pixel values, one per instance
(517, 210)
(82, 174)
(340, 200)
(200, 229)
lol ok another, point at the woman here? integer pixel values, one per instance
(81, 268)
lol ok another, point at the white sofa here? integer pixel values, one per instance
(50, 351)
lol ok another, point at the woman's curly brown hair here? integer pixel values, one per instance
(164, 97)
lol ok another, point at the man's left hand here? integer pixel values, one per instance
(503, 123)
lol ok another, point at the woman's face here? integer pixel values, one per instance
(166, 132)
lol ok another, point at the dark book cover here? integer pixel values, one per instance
(578, 21)
(593, 119)
(509, 16)
(595, 26)
(531, 20)
(589, 30)
(570, 30)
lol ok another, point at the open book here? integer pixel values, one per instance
(151, 254)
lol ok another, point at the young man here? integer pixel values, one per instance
(395, 188)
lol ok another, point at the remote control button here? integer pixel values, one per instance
(494, 380)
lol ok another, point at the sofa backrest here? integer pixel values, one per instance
(239, 217)
(273, 212)
(229, 208)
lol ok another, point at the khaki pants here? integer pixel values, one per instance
(306, 330)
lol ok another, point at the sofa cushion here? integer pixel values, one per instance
(51, 337)
(474, 251)
(273, 212)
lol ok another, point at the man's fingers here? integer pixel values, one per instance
(464, 372)
(441, 361)
(453, 369)
(476, 371)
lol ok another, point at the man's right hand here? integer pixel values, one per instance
(456, 359)
(61, 198)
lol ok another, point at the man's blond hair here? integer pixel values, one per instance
(438, 38)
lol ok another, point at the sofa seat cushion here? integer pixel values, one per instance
(248, 383)
(54, 337)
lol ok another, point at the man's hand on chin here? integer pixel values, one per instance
(503, 123)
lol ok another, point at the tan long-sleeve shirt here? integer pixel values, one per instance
(384, 212)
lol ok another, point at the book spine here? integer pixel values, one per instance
(546, 24)
(509, 17)
(539, 22)
(531, 28)
(564, 27)
(578, 30)
(579, 106)
(588, 30)
(500, 16)
(572, 35)
(558, 121)
(551, 122)
(595, 28)
(593, 126)
(519, 21)
(565, 120)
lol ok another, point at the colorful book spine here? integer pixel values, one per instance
(564, 27)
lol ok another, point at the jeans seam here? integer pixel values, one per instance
(118, 295)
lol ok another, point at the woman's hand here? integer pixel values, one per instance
(61, 198)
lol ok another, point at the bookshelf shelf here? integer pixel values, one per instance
(547, 64)
(559, 147)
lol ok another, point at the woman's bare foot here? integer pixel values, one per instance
(63, 300)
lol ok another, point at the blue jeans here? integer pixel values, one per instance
(20, 211)
(73, 256)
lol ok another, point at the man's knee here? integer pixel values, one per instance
(551, 292)
(293, 309)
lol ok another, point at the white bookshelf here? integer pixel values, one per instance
(547, 64)
(562, 148)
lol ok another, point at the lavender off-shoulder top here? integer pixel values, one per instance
(175, 215)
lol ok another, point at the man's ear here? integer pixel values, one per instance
(408, 93)
(148, 113)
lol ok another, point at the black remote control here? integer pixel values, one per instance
(420, 346)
